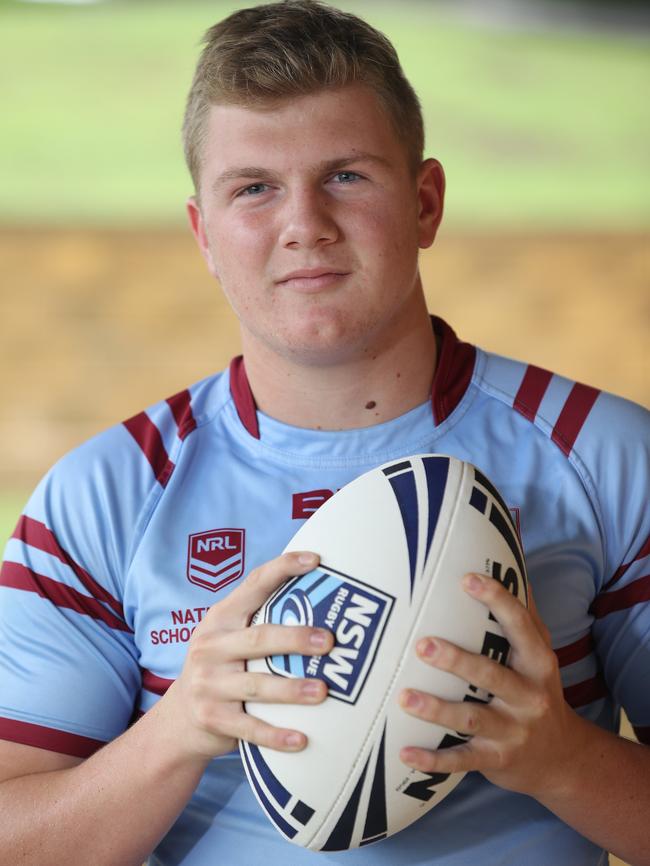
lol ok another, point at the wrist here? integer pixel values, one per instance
(185, 742)
(570, 768)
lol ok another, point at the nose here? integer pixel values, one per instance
(307, 220)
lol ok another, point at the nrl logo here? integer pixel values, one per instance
(215, 558)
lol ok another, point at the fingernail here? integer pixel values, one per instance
(307, 558)
(319, 637)
(427, 647)
(413, 700)
(311, 689)
(473, 582)
(293, 739)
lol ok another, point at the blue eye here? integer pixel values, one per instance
(346, 176)
(253, 189)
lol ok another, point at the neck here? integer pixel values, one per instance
(381, 382)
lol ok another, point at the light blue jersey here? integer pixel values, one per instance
(130, 538)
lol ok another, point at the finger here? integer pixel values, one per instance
(468, 717)
(539, 622)
(269, 639)
(243, 726)
(267, 688)
(515, 620)
(457, 759)
(252, 592)
(478, 670)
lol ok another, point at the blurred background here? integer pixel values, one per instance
(537, 110)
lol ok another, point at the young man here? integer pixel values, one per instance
(312, 200)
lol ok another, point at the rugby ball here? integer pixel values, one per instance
(394, 545)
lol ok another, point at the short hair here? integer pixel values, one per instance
(293, 48)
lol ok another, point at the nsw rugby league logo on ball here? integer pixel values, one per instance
(355, 612)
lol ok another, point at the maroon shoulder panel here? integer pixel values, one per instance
(531, 391)
(148, 437)
(573, 415)
(181, 406)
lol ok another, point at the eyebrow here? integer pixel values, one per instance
(253, 172)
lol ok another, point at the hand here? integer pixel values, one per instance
(522, 739)
(207, 699)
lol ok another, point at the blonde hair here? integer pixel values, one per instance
(292, 48)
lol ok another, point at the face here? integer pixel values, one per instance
(311, 219)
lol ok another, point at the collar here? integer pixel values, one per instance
(454, 368)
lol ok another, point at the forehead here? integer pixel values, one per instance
(309, 129)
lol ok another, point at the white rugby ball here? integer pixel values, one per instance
(394, 545)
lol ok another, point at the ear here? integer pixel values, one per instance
(431, 197)
(197, 224)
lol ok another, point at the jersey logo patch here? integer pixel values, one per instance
(216, 557)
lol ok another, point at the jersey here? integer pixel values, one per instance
(131, 537)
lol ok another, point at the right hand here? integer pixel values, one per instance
(206, 701)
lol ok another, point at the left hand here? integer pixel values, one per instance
(524, 737)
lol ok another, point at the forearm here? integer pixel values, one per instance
(604, 792)
(111, 810)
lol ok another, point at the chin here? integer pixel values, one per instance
(324, 343)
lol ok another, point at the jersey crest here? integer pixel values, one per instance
(216, 557)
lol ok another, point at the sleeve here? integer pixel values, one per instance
(69, 674)
(620, 468)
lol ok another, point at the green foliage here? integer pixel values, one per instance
(11, 505)
(544, 128)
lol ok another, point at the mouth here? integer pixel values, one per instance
(311, 279)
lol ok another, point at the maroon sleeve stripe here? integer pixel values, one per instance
(642, 734)
(48, 738)
(243, 396)
(573, 415)
(18, 576)
(575, 651)
(153, 683)
(621, 570)
(36, 534)
(586, 692)
(621, 599)
(181, 406)
(148, 437)
(531, 391)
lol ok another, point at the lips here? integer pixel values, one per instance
(311, 274)
(308, 280)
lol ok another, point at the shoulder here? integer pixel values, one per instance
(604, 440)
(582, 421)
(94, 502)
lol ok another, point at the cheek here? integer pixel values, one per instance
(240, 250)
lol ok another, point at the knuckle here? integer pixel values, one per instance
(203, 716)
(257, 636)
(491, 676)
(549, 666)
(254, 577)
(501, 759)
(541, 704)
(251, 687)
(472, 720)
